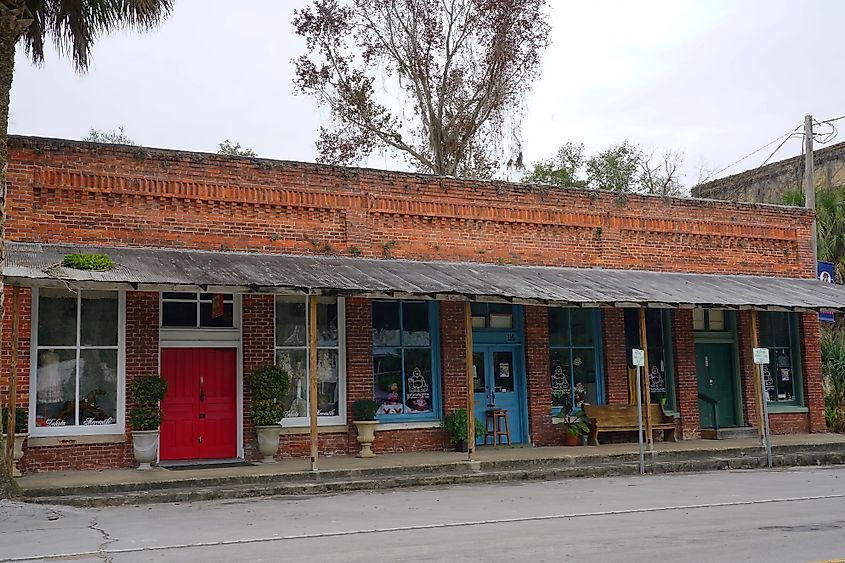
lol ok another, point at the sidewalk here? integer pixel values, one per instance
(346, 473)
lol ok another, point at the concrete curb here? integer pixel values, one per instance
(191, 490)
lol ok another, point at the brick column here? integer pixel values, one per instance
(24, 325)
(615, 359)
(538, 376)
(747, 371)
(686, 381)
(453, 355)
(812, 370)
(257, 319)
(359, 359)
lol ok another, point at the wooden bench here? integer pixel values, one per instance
(623, 418)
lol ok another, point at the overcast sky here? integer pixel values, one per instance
(714, 79)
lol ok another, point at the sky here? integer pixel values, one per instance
(714, 79)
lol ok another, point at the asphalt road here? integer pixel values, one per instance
(784, 515)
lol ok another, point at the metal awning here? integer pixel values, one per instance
(188, 270)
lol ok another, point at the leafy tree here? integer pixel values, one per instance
(563, 170)
(621, 168)
(615, 169)
(115, 137)
(73, 25)
(229, 148)
(439, 82)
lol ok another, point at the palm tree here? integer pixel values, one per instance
(73, 25)
(830, 224)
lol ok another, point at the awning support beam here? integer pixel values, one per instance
(312, 378)
(646, 383)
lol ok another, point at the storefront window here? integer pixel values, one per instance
(659, 370)
(492, 315)
(574, 345)
(197, 310)
(77, 373)
(292, 332)
(777, 333)
(405, 375)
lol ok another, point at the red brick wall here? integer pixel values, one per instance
(453, 352)
(615, 358)
(747, 370)
(258, 350)
(64, 191)
(789, 423)
(812, 370)
(538, 375)
(686, 380)
(24, 325)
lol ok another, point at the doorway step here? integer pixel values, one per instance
(734, 433)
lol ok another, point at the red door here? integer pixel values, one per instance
(200, 408)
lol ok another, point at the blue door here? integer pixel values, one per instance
(498, 381)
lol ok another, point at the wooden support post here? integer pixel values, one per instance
(13, 380)
(470, 390)
(759, 392)
(646, 386)
(312, 378)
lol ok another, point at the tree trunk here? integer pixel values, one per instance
(9, 34)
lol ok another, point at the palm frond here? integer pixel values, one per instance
(74, 25)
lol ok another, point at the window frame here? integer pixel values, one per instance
(671, 406)
(434, 345)
(236, 312)
(794, 328)
(340, 417)
(78, 430)
(598, 350)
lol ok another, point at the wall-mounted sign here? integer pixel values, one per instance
(826, 274)
(761, 355)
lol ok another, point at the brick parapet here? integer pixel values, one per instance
(64, 191)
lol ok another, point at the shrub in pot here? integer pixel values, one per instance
(20, 435)
(145, 417)
(455, 424)
(575, 425)
(269, 385)
(364, 416)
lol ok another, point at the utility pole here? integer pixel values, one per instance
(810, 182)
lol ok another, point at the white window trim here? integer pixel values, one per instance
(119, 426)
(340, 418)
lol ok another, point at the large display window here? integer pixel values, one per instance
(574, 346)
(292, 330)
(406, 375)
(77, 369)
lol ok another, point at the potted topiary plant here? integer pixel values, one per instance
(145, 416)
(20, 435)
(364, 417)
(269, 386)
(455, 424)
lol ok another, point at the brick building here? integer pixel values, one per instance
(216, 258)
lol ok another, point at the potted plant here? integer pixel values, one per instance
(269, 386)
(364, 417)
(575, 425)
(20, 435)
(455, 424)
(145, 416)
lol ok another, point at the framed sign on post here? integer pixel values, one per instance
(638, 359)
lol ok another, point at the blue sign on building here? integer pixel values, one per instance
(826, 274)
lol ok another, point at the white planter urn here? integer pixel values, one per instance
(268, 441)
(366, 436)
(145, 447)
(17, 452)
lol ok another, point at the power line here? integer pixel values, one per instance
(783, 137)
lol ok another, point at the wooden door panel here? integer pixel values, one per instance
(200, 409)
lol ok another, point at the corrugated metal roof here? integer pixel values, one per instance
(29, 263)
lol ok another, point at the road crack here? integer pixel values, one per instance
(102, 549)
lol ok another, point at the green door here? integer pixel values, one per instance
(716, 381)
